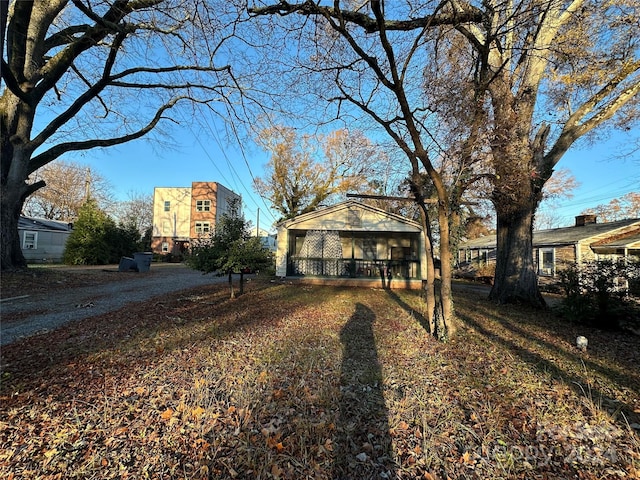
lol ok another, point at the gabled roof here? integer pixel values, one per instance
(563, 236)
(43, 224)
(340, 209)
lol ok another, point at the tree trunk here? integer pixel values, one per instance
(520, 173)
(231, 290)
(428, 284)
(11, 252)
(448, 328)
(515, 279)
(241, 289)
(14, 191)
(16, 120)
(439, 300)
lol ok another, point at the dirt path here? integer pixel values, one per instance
(31, 310)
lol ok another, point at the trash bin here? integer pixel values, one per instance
(143, 260)
(127, 264)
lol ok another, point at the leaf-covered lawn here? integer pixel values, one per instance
(295, 382)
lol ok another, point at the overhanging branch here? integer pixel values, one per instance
(466, 14)
(57, 150)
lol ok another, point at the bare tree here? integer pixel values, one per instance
(367, 65)
(137, 210)
(552, 72)
(84, 74)
(546, 72)
(68, 186)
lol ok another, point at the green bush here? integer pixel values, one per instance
(230, 249)
(97, 240)
(595, 293)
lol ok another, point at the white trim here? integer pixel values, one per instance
(542, 270)
(31, 245)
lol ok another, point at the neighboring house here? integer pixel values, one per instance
(183, 214)
(586, 241)
(42, 240)
(351, 240)
(268, 240)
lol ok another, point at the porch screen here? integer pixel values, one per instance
(321, 254)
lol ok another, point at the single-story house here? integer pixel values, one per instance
(586, 241)
(352, 243)
(42, 240)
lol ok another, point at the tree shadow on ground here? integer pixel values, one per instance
(582, 384)
(363, 447)
(422, 320)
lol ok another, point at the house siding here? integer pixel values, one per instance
(569, 244)
(203, 191)
(51, 239)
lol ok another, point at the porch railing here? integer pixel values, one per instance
(346, 267)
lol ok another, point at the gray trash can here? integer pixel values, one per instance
(127, 264)
(143, 260)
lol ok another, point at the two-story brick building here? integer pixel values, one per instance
(182, 214)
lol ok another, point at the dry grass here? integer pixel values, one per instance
(316, 382)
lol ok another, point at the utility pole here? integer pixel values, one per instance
(87, 184)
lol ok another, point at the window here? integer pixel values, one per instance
(165, 247)
(546, 262)
(167, 206)
(30, 240)
(202, 227)
(203, 205)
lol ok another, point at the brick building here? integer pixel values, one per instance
(182, 214)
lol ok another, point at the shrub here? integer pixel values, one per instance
(230, 249)
(596, 292)
(97, 240)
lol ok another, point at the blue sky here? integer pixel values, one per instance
(602, 172)
(140, 166)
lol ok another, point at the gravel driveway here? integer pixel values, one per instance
(28, 315)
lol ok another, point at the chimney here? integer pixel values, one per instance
(582, 220)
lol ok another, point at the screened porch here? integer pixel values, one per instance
(353, 254)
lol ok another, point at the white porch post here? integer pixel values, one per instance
(423, 256)
(282, 249)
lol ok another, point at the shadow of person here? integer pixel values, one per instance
(362, 447)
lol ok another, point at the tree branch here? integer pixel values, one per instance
(576, 126)
(64, 37)
(11, 82)
(108, 24)
(467, 14)
(57, 150)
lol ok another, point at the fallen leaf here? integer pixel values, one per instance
(466, 458)
(198, 412)
(50, 453)
(166, 415)
(276, 471)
